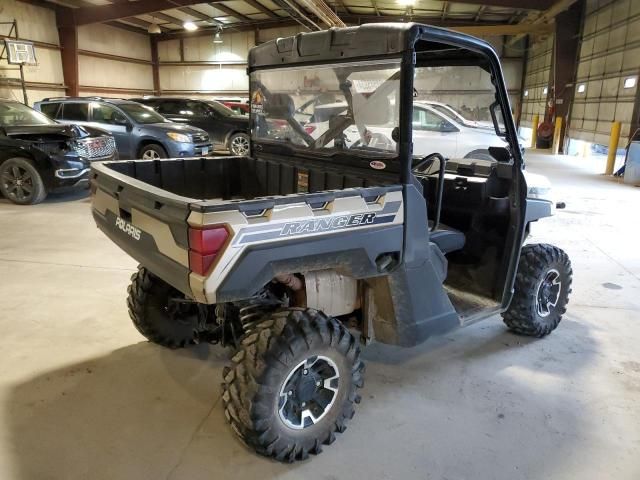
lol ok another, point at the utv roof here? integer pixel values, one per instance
(369, 41)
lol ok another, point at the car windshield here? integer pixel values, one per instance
(452, 113)
(14, 114)
(326, 109)
(141, 113)
(221, 109)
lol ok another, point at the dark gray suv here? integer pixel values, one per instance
(139, 131)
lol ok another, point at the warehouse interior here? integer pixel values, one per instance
(84, 395)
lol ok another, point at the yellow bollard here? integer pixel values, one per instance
(555, 146)
(534, 132)
(613, 147)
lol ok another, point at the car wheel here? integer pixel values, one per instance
(239, 144)
(21, 183)
(152, 151)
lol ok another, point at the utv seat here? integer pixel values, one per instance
(446, 238)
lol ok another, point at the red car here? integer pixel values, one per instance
(241, 108)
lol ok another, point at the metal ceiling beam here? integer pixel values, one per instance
(195, 13)
(532, 5)
(125, 26)
(478, 29)
(230, 11)
(105, 13)
(479, 14)
(167, 18)
(234, 27)
(544, 18)
(261, 8)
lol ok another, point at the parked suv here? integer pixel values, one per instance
(225, 128)
(38, 155)
(139, 131)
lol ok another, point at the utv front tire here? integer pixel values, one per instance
(156, 315)
(293, 384)
(541, 290)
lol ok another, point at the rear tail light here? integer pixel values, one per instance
(204, 246)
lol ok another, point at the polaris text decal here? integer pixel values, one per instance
(127, 228)
(325, 224)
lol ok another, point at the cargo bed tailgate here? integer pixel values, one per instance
(148, 223)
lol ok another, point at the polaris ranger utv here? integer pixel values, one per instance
(333, 234)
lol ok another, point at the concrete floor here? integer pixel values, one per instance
(83, 396)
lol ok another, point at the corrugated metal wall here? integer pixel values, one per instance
(113, 74)
(37, 24)
(207, 68)
(538, 68)
(609, 55)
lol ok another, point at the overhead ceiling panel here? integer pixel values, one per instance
(179, 14)
(240, 7)
(204, 8)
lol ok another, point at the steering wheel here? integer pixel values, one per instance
(428, 161)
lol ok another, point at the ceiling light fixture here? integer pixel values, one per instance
(189, 26)
(153, 27)
(217, 38)
(406, 3)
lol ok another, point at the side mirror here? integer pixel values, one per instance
(121, 121)
(498, 119)
(501, 154)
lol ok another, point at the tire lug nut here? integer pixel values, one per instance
(318, 383)
(305, 371)
(290, 392)
(304, 404)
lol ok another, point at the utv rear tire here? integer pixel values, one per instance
(541, 291)
(30, 190)
(294, 350)
(152, 313)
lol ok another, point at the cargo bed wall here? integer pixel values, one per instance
(241, 177)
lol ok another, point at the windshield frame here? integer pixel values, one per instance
(31, 112)
(124, 108)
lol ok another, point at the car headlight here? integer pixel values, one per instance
(538, 187)
(179, 137)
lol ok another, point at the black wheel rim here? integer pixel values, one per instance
(17, 182)
(308, 392)
(548, 293)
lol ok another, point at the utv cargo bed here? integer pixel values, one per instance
(144, 206)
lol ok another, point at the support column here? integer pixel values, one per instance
(68, 35)
(567, 42)
(155, 65)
